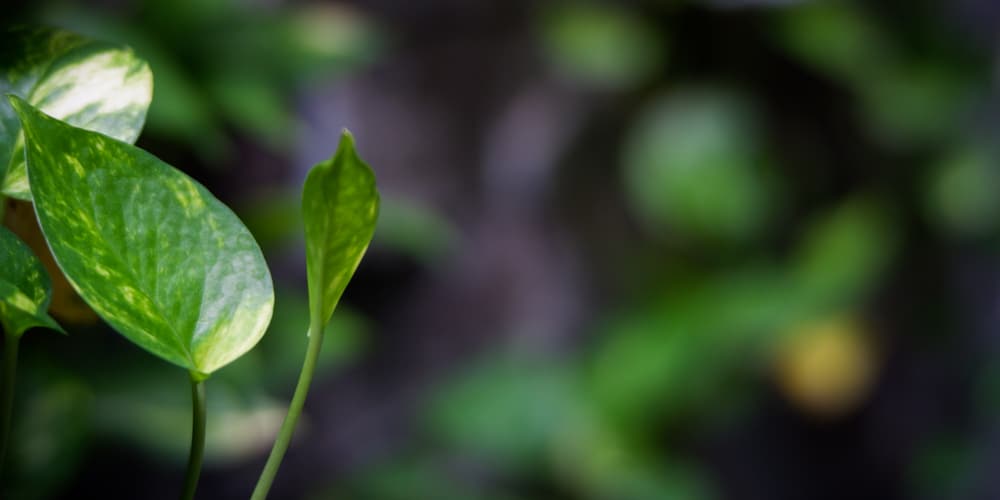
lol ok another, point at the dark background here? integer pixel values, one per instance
(728, 249)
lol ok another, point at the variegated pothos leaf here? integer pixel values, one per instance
(87, 83)
(152, 251)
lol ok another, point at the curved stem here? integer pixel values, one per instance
(197, 438)
(7, 390)
(294, 411)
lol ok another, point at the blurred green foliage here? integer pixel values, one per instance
(74, 399)
(752, 234)
(223, 64)
(906, 95)
(960, 194)
(601, 44)
(48, 447)
(693, 164)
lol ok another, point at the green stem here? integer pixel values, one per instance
(197, 438)
(294, 411)
(7, 390)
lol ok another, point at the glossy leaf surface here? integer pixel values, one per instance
(152, 251)
(25, 288)
(90, 84)
(339, 209)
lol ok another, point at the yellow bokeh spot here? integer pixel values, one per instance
(826, 367)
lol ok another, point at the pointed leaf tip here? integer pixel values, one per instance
(346, 142)
(15, 101)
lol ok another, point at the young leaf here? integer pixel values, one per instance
(25, 290)
(339, 210)
(90, 84)
(152, 251)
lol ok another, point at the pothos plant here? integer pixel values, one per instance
(152, 251)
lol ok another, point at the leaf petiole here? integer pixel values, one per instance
(198, 419)
(294, 411)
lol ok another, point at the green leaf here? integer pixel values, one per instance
(152, 251)
(339, 209)
(25, 289)
(90, 84)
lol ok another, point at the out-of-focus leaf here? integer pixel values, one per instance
(339, 211)
(536, 400)
(94, 85)
(843, 254)
(25, 288)
(182, 110)
(693, 164)
(601, 44)
(116, 217)
(961, 192)
(290, 46)
(327, 37)
(838, 38)
(916, 104)
(644, 367)
(906, 99)
(256, 105)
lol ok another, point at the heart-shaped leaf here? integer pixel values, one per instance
(25, 289)
(152, 251)
(339, 209)
(95, 85)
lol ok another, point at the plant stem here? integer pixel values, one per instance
(294, 411)
(7, 390)
(197, 438)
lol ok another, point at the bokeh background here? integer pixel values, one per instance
(651, 249)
